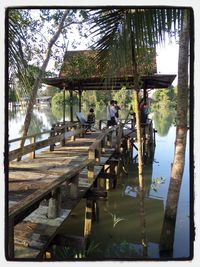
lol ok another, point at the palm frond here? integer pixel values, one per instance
(114, 28)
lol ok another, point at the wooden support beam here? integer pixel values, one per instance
(10, 232)
(54, 204)
(32, 141)
(79, 98)
(74, 187)
(71, 106)
(64, 104)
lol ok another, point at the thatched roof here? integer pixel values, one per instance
(83, 64)
(80, 71)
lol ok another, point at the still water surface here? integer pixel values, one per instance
(118, 232)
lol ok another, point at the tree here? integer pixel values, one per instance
(126, 34)
(168, 229)
(39, 77)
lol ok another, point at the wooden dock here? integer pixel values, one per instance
(44, 188)
(43, 191)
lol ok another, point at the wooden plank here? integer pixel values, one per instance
(25, 204)
(52, 169)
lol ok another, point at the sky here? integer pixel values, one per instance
(167, 59)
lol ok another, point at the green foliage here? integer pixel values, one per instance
(163, 119)
(58, 100)
(126, 34)
(156, 183)
(67, 252)
(122, 96)
(164, 97)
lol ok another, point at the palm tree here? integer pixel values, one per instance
(168, 229)
(124, 34)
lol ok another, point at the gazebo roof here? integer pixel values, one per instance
(80, 71)
(147, 82)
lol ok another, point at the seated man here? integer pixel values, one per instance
(91, 117)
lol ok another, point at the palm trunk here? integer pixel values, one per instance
(167, 236)
(136, 102)
(38, 80)
(138, 132)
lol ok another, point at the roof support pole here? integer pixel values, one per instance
(145, 95)
(71, 106)
(79, 100)
(64, 104)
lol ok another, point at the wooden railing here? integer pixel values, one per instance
(58, 133)
(26, 206)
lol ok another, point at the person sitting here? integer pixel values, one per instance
(91, 117)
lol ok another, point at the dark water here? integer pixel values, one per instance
(123, 230)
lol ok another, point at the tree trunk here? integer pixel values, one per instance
(38, 80)
(136, 102)
(167, 236)
(138, 132)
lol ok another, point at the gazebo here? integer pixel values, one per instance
(80, 73)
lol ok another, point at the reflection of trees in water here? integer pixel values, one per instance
(50, 117)
(36, 125)
(163, 119)
(16, 114)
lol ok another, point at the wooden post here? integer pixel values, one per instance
(64, 104)
(79, 98)
(88, 218)
(154, 137)
(91, 155)
(52, 134)
(103, 144)
(32, 141)
(109, 139)
(10, 248)
(99, 124)
(73, 138)
(130, 149)
(71, 106)
(74, 187)
(62, 142)
(98, 153)
(54, 204)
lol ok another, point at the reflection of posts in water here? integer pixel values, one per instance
(142, 215)
(169, 222)
(88, 218)
(91, 214)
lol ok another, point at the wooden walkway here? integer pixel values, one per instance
(44, 190)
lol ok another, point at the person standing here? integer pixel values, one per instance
(111, 114)
(117, 107)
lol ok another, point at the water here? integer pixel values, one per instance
(123, 230)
